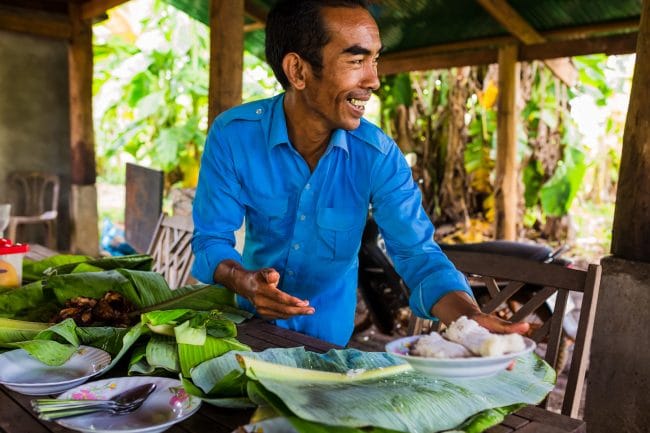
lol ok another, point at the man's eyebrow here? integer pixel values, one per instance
(359, 50)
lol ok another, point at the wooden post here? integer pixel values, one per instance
(630, 233)
(226, 55)
(506, 195)
(85, 236)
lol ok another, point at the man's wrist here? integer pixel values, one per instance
(227, 274)
(453, 305)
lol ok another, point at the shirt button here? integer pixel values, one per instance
(296, 246)
(303, 217)
(290, 273)
(259, 111)
(308, 186)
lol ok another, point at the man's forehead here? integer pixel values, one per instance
(352, 28)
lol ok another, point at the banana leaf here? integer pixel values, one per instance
(184, 338)
(382, 393)
(146, 290)
(69, 263)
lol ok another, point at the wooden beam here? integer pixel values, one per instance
(510, 19)
(437, 58)
(505, 191)
(80, 66)
(256, 12)
(95, 8)
(253, 26)
(393, 65)
(226, 55)
(514, 23)
(592, 30)
(49, 26)
(610, 45)
(631, 233)
(83, 192)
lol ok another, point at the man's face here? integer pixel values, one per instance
(349, 73)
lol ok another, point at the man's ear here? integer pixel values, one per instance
(296, 70)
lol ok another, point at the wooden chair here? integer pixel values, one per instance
(171, 249)
(36, 202)
(504, 276)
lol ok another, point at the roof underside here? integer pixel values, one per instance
(410, 24)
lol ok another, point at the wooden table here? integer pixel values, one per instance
(16, 415)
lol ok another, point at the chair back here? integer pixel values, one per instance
(37, 194)
(171, 249)
(504, 276)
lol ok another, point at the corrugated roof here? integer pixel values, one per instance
(408, 24)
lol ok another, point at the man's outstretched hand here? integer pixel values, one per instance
(261, 289)
(455, 304)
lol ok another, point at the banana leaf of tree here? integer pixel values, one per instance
(355, 390)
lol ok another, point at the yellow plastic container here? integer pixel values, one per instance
(11, 263)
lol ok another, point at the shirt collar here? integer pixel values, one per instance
(278, 133)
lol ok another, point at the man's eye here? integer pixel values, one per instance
(356, 61)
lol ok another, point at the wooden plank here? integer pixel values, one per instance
(499, 429)
(43, 25)
(506, 186)
(80, 65)
(96, 8)
(394, 64)
(144, 196)
(482, 52)
(256, 11)
(582, 347)
(18, 419)
(630, 234)
(514, 421)
(510, 19)
(610, 45)
(550, 419)
(226, 55)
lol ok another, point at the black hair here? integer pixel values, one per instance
(297, 26)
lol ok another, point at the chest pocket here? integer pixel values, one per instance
(340, 229)
(266, 216)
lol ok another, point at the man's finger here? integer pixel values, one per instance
(281, 297)
(271, 276)
(282, 312)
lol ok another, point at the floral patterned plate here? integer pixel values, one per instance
(166, 406)
(22, 373)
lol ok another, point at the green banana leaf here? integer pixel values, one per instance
(69, 263)
(184, 338)
(382, 393)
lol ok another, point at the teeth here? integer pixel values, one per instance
(358, 103)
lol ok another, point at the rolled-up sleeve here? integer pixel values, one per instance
(408, 233)
(217, 211)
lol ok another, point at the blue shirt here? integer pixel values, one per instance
(308, 225)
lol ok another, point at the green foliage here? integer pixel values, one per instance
(558, 193)
(151, 95)
(154, 94)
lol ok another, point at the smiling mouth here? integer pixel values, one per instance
(358, 103)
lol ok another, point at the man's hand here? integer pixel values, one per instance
(455, 304)
(261, 289)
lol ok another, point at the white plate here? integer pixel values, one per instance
(455, 367)
(166, 406)
(21, 372)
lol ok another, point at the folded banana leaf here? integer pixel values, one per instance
(355, 391)
(34, 303)
(70, 263)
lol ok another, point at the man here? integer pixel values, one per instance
(303, 168)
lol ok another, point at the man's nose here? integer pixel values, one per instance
(370, 77)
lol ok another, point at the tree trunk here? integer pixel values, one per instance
(454, 186)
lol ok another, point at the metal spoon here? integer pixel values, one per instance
(124, 402)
